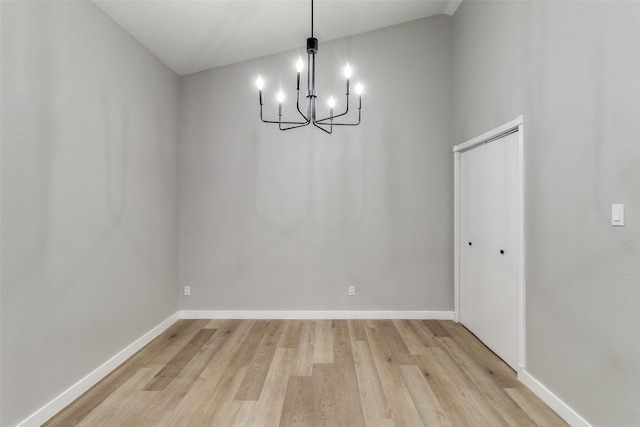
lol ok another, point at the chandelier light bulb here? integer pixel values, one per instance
(347, 71)
(260, 83)
(359, 89)
(280, 97)
(299, 64)
(332, 102)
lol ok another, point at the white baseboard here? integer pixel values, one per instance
(72, 393)
(561, 408)
(238, 314)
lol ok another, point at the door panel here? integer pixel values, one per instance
(472, 218)
(489, 197)
(501, 273)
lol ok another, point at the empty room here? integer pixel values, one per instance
(337, 213)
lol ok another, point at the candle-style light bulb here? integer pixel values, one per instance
(280, 98)
(347, 74)
(260, 85)
(359, 90)
(347, 71)
(299, 66)
(332, 102)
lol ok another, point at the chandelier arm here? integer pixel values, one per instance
(297, 125)
(333, 117)
(321, 121)
(285, 123)
(298, 107)
(343, 124)
(306, 122)
(338, 115)
(294, 127)
(302, 114)
(319, 126)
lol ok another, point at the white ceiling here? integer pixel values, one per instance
(191, 35)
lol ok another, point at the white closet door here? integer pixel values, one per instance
(489, 194)
(472, 241)
(501, 273)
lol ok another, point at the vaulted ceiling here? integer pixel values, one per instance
(191, 35)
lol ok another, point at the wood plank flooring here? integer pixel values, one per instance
(311, 373)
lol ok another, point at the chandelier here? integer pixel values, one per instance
(309, 116)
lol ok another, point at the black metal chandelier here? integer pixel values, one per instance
(326, 124)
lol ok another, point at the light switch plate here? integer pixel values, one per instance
(617, 215)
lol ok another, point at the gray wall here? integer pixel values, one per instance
(287, 221)
(573, 70)
(89, 197)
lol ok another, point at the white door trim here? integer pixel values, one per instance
(516, 125)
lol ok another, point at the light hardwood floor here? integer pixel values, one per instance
(311, 373)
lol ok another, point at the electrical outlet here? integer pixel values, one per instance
(352, 290)
(187, 291)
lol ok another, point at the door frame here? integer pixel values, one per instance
(516, 125)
